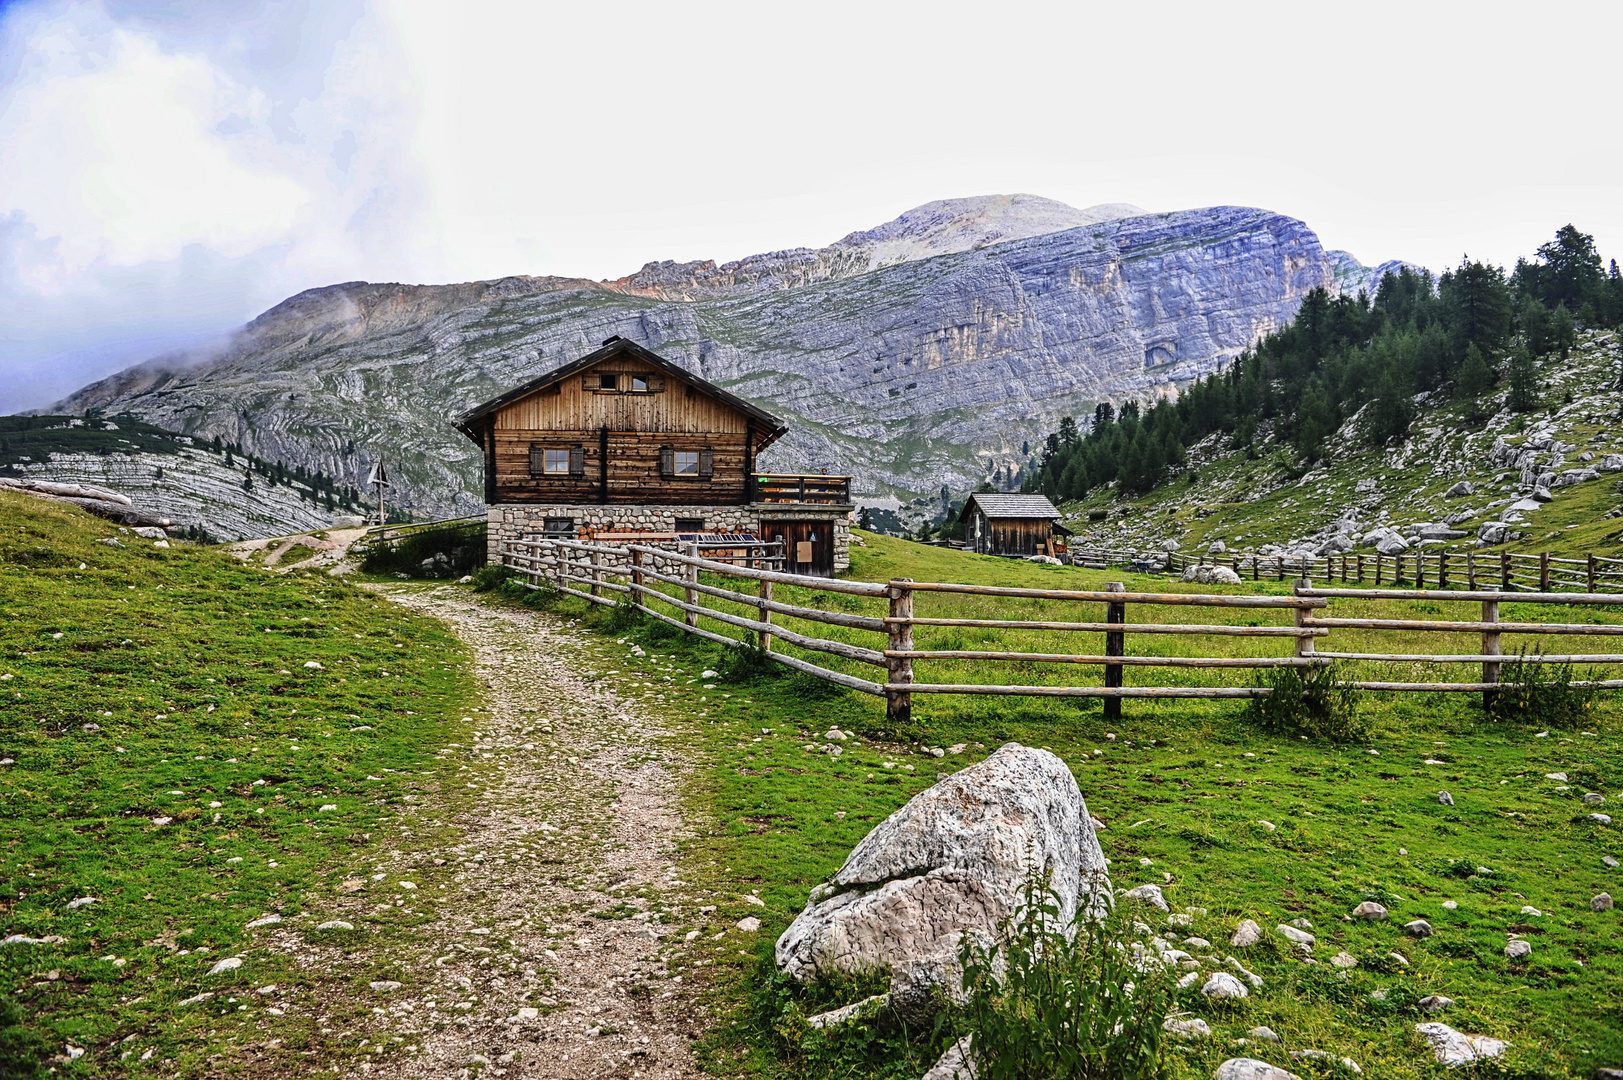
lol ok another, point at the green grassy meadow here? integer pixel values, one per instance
(1187, 786)
(169, 751)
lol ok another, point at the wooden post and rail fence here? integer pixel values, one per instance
(589, 571)
(1469, 570)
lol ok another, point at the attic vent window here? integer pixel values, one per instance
(639, 382)
(608, 381)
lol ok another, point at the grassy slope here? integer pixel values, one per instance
(1248, 501)
(1176, 787)
(192, 670)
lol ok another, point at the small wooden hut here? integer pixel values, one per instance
(1011, 523)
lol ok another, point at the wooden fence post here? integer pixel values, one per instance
(1490, 647)
(597, 572)
(690, 594)
(1470, 571)
(764, 638)
(1420, 569)
(899, 703)
(1544, 571)
(1591, 571)
(1256, 568)
(1360, 568)
(1377, 570)
(636, 579)
(1304, 645)
(1504, 571)
(1115, 645)
(1279, 567)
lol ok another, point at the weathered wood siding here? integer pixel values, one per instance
(1010, 536)
(639, 425)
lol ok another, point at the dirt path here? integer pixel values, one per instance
(581, 813)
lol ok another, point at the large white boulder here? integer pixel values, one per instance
(1453, 1048)
(1210, 575)
(954, 861)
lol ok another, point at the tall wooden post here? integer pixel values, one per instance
(1360, 568)
(1591, 571)
(1544, 571)
(1504, 571)
(690, 594)
(1470, 571)
(597, 572)
(636, 579)
(1420, 569)
(764, 637)
(1115, 645)
(1377, 570)
(1304, 644)
(1490, 647)
(1442, 569)
(560, 565)
(899, 703)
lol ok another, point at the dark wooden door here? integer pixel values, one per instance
(808, 546)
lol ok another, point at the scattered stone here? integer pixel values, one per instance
(1603, 902)
(1223, 985)
(1561, 776)
(1451, 904)
(1518, 949)
(1210, 575)
(83, 901)
(1301, 924)
(1529, 909)
(836, 1017)
(196, 999)
(1594, 798)
(834, 733)
(1183, 922)
(230, 963)
(1248, 933)
(1344, 960)
(1452, 1047)
(1263, 1032)
(1197, 943)
(955, 1064)
(1150, 894)
(1254, 979)
(1419, 928)
(1445, 798)
(336, 924)
(1251, 1069)
(264, 920)
(749, 924)
(1291, 933)
(1609, 861)
(1320, 1055)
(385, 986)
(1270, 826)
(1186, 1029)
(1190, 979)
(1601, 819)
(1464, 487)
(23, 939)
(1434, 1004)
(1398, 959)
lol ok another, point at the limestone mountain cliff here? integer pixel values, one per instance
(920, 354)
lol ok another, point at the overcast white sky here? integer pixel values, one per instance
(169, 170)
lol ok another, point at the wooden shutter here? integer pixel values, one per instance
(577, 461)
(667, 461)
(707, 462)
(538, 460)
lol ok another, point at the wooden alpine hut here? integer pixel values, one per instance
(625, 444)
(1011, 523)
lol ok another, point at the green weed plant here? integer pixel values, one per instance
(1316, 702)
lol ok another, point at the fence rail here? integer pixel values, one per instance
(654, 577)
(1509, 570)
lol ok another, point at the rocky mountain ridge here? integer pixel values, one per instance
(928, 352)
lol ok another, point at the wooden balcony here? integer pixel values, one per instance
(813, 490)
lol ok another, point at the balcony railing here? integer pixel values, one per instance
(780, 488)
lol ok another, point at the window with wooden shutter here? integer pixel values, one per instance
(577, 461)
(538, 460)
(707, 462)
(667, 461)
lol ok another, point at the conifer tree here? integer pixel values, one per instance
(1523, 395)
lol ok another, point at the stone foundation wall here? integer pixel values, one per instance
(519, 521)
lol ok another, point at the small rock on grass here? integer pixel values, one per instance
(1344, 960)
(83, 901)
(336, 924)
(1603, 902)
(196, 999)
(1251, 1069)
(1452, 1047)
(1418, 928)
(1518, 950)
(1369, 909)
(1322, 1055)
(264, 920)
(384, 986)
(230, 963)
(1224, 985)
(1451, 904)
(1445, 798)
(749, 924)
(1609, 861)
(1434, 1004)
(1264, 1032)
(1186, 1029)
(1246, 934)
(1150, 894)
(1291, 933)
(955, 1064)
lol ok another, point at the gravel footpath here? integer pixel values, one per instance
(581, 812)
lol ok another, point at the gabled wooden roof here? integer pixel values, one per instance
(773, 427)
(1009, 504)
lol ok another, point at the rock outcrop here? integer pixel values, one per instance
(954, 861)
(928, 351)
